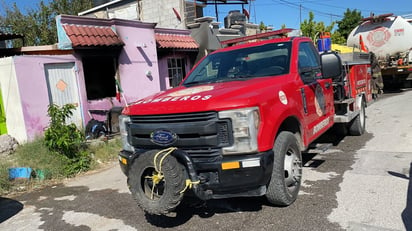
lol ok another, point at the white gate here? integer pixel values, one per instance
(63, 88)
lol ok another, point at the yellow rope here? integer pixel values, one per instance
(189, 184)
(158, 176)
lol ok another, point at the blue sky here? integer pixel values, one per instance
(22, 4)
(291, 12)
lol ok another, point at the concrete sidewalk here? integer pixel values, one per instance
(374, 195)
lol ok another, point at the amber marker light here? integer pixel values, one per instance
(124, 161)
(230, 165)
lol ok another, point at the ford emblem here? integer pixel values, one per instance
(163, 137)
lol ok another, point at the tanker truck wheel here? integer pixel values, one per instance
(286, 177)
(357, 125)
(157, 195)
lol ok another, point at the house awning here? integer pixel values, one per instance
(180, 41)
(92, 36)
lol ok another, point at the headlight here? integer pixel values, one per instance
(245, 123)
(123, 121)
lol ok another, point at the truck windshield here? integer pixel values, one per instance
(258, 61)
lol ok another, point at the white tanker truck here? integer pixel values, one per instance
(389, 37)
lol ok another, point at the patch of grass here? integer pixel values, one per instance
(103, 152)
(5, 184)
(38, 157)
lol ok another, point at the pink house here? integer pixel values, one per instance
(99, 65)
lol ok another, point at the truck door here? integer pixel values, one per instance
(317, 93)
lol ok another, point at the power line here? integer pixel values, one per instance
(284, 2)
(322, 3)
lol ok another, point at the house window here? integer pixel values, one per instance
(99, 75)
(308, 62)
(176, 70)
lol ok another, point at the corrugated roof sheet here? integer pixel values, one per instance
(84, 36)
(175, 41)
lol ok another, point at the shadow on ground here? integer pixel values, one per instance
(9, 208)
(115, 206)
(206, 209)
(407, 212)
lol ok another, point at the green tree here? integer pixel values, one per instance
(312, 29)
(38, 25)
(350, 20)
(337, 38)
(307, 27)
(262, 26)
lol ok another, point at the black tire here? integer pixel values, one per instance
(286, 177)
(166, 195)
(357, 125)
(95, 129)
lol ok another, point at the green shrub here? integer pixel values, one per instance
(66, 139)
(60, 137)
(62, 152)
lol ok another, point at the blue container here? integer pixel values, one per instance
(19, 173)
(324, 44)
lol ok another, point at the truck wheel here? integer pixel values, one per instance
(286, 177)
(357, 125)
(160, 198)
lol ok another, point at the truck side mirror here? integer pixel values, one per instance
(331, 65)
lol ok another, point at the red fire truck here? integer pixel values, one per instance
(238, 123)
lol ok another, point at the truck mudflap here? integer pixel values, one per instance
(230, 176)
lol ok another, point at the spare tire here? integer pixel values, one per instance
(160, 198)
(95, 129)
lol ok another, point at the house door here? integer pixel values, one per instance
(3, 126)
(63, 88)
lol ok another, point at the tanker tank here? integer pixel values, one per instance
(389, 37)
(383, 35)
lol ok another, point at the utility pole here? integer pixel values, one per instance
(217, 14)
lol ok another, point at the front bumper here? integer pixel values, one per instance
(228, 176)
